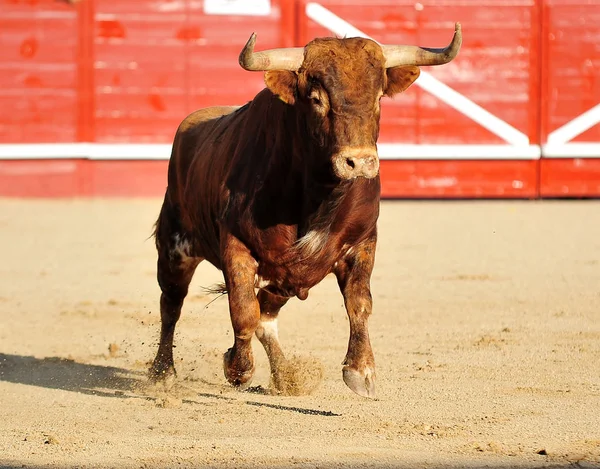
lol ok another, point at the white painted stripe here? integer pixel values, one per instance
(133, 151)
(136, 151)
(9, 151)
(92, 151)
(337, 25)
(395, 151)
(572, 150)
(467, 107)
(333, 22)
(575, 127)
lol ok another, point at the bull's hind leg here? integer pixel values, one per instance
(270, 304)
(175, 272)
(354, 274)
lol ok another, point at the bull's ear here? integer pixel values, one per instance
(282, 83)
(400, 78)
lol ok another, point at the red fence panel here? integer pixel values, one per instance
(98, 79)
(139, 81)
(119, 73)
(126, 71)
(571, 112)
(215, 77)
(496, 68)
(38, 72)
(482, 106)
(155, 62)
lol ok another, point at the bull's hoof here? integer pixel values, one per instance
(165, 375)
(362, 384)
(234, 373)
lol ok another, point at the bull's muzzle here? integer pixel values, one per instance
(350, 163)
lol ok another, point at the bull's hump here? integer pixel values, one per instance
(204, 115)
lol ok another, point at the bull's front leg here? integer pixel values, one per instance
(270, 304)
(354, 274)
(239, 270)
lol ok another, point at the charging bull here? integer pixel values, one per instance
(281, 192)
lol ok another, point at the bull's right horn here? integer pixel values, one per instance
(274, 59)
(414, 55)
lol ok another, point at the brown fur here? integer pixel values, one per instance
(252, 191)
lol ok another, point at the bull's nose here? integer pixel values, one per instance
(351, 163)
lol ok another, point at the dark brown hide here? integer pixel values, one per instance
(256, 191)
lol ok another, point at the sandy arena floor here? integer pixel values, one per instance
(486, 331)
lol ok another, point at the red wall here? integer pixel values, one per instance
(127, 72)
(570, 88)
(122, 71)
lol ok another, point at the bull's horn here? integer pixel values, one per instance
(415, 55)
(274, 59)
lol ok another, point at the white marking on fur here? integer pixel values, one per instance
(260, 282)
(181, 248)
(268, 330)
(311, 242)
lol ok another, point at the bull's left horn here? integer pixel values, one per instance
(415, 55)
(274, 59)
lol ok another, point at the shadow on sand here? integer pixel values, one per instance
(68, 375)
(107, 381)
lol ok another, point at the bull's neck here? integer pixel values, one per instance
(311, 173)
(292, 149)
(297, 170)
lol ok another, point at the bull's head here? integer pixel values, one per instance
(339, 82)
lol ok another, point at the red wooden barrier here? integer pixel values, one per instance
(486, 98)
(525, 85)
(38, 71)
(571, 107)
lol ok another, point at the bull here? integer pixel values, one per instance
(282, 191)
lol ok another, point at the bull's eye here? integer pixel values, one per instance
(315, 98)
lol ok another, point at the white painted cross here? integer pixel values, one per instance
(558, 145)
(518, 143)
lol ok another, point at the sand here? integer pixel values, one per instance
(486, 333)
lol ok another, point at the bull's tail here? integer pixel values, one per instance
(216, 289)
(163, 223)
(156, 226)
(154, 230)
